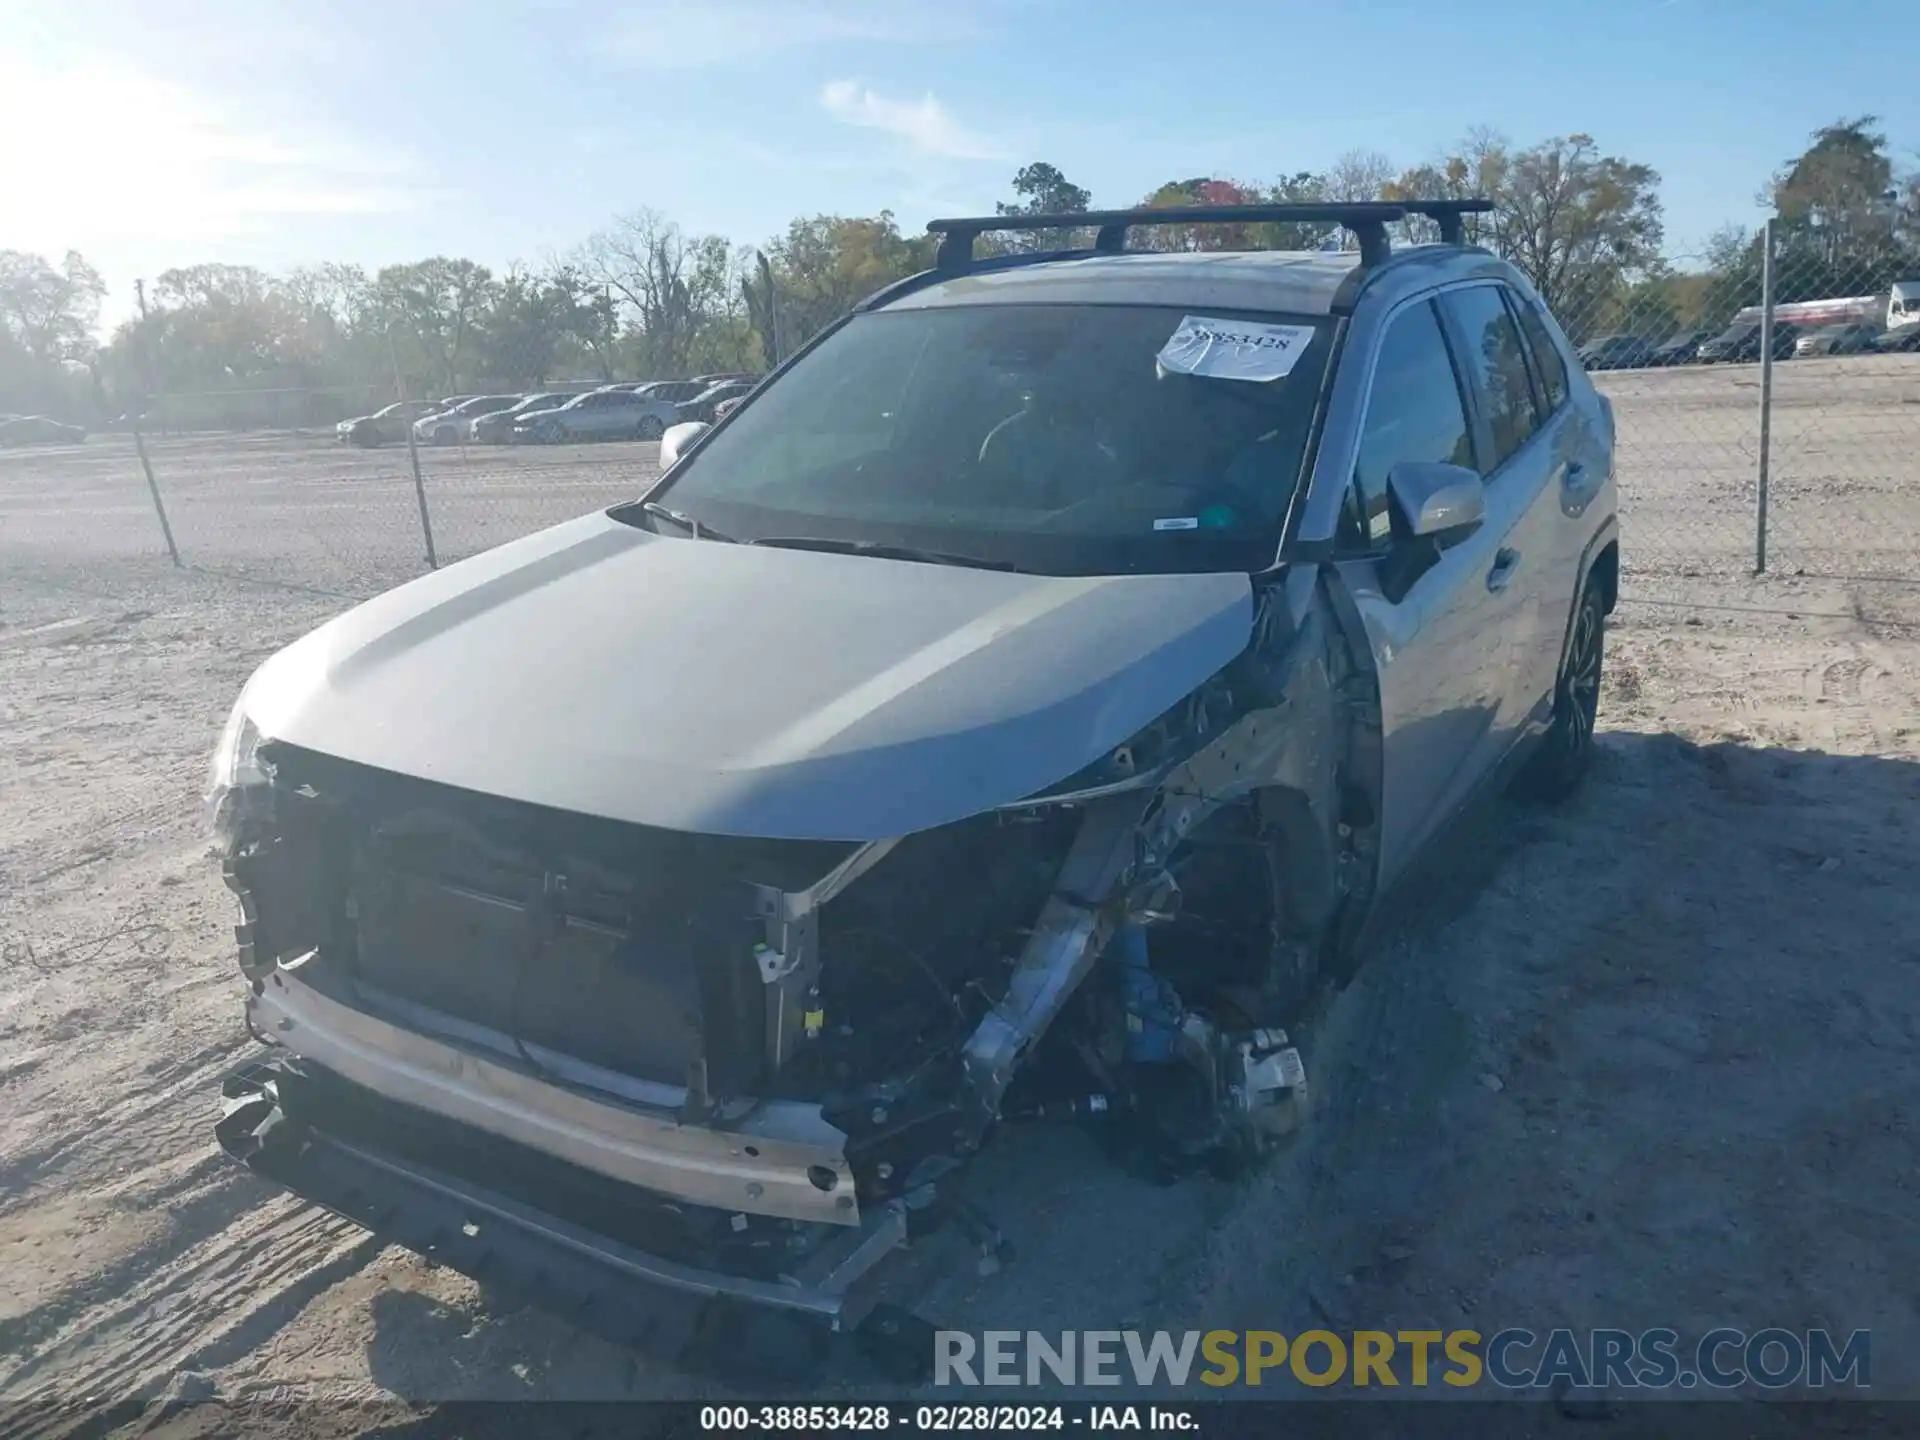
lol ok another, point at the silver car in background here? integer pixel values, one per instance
(605, 414)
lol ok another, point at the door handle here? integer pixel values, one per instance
(1505, 562)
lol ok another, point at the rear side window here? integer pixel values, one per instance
(1548, 363)
(1496, 365)
(1415, 413)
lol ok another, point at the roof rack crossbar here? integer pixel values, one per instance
(1447, 215)
(1366, 219)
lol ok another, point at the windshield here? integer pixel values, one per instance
(1050, 438)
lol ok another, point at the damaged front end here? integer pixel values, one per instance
(540, 1045)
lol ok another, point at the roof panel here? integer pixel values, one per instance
(1299, 282)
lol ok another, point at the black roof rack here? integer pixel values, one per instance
(1367, 219)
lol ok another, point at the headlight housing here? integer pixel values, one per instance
(238, 779)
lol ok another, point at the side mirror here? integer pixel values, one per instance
(1436, 501)
(678, 439)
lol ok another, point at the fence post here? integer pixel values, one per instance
(153, 486)
(413, 453)
(1766, 400)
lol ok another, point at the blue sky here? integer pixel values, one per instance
(152, 133)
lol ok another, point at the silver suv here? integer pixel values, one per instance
(1037, 693)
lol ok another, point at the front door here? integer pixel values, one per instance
(1439, 621)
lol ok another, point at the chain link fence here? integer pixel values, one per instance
(1753, 432)
(1766, 422)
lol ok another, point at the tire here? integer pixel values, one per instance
(1566, 751)
(445, 435)
(651, 427)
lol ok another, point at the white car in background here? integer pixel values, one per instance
(449, 427)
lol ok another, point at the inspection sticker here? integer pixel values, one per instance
(1178, 522)
(1233, 349)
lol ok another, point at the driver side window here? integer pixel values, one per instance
(1414, 412)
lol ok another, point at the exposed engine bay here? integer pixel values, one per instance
(767, 1060)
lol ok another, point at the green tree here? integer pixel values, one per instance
(1043, 190)
(529, 329)
(1847, 222)
(435, 307)
(1836, 200)
(825, 265)
(1581, 224)
(48, 311)
(1201, 190)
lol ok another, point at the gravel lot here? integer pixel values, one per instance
(1642, 1060)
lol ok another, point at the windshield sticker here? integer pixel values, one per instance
(1181, 522)
(1233, 349)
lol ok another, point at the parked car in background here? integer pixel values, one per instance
(1617, 352)
(1855, 339)
(716, 378)
(1903, 341)
(673, 392)
(597, 415)
(39, 430)
(382, 427)
(681, 897)
(1741, 341)
(496, 426)
(727, 407)
(1680, 349)
(701, 407)
(448, 427)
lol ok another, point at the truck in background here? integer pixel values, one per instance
(1903, 304)
(1894, 313)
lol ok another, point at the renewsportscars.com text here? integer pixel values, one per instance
(1513, 1358)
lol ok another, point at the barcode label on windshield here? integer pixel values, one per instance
(1233, 349)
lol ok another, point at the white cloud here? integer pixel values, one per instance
(925, 123)
(691, 34)
(96, 153)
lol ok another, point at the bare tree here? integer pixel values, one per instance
(1359, 175)
(669, 282)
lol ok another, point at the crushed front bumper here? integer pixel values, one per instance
(781, 1159)
(364, 1158)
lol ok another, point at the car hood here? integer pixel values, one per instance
(731, 689)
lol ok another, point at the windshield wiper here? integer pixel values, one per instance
(686, 522)
(881, 551)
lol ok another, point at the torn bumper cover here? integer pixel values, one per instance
(546, 1188)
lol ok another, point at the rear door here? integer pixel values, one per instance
(1579, 463)
(1433, 621)
(1524, 455)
